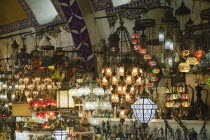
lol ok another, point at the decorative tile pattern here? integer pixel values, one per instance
(131, 13)
(101, 4)
(79, 31)
(139, 3)
(31, 21)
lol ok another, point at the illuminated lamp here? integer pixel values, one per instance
(144, 109)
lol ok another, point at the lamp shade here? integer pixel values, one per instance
(161, 35)
(144, 109)
(60, 134)
(105, 105)
(74, 92)
(64, 99)
(90, 105)
(95, 121)
(84, 91)
(98, 91)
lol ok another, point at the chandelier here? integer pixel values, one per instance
(126, 62)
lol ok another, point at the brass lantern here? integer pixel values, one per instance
(64, 98)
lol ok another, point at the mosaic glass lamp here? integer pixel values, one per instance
(144, 109)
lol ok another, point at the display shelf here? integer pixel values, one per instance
(157, 121)
(35, 132)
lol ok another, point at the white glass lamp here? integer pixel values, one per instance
(169, 43)
(144, 109)
(74, 92)
(99, 91)
(161, 35)
(95, 121)
(105, 105)
(60, 134)
(90, 105)
(84, 91)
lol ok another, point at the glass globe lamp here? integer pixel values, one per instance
(74, 92)
(90, 105)
(105, 105)
(95, 121)
(99, 91)
(84, 91)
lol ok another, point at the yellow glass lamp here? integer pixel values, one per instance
(121, 70)
(192, 60)
(134, 71)
(184, 67)
(109, 71)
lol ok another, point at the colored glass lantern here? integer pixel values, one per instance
(104, 81)
(185, 53)
(115, 98)
(121, 70)
(128, 98)
(184, 67)
(109, 71)
(143, 51)
(147, 57)
(192, 60)
(199, 54)
(134, 41)
(139, 81)
(114, 80)
(169, 104)
(122, 114)
(137, 47)
(128, 80)
(152, 63)
(134, 71)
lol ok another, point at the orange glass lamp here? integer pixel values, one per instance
(108, 71)
(122, 114)
(199, 54)
(121, 70)
(115, 98)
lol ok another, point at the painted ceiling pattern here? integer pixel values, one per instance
(31, 20)
(101, 4)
